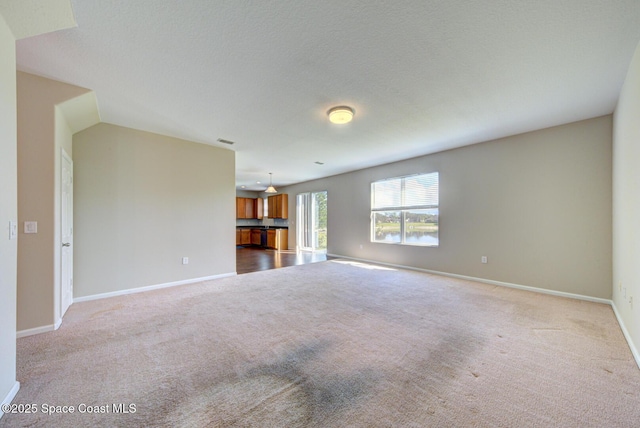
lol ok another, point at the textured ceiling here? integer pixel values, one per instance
(423, 76)
(28, 18)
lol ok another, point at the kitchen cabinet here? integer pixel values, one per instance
(279, 206)
(278, 239)
(249, 208)
(245, 236)
(241, 206)
(271, 238)
(255, 236)
(258, 209)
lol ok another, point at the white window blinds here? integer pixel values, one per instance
(416, 191)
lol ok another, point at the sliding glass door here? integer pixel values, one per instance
(311, 209)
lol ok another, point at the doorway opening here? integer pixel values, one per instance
(311, 215)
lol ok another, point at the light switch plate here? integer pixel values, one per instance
(30, 227)
(13, 230)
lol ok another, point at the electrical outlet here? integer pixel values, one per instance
(30, 227)
(185, 260)
(484, 259)
(361, 246)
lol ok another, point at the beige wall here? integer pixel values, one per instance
(42, 132)
(143, 201)
(538, 205)
(626, 205)
(8, 210)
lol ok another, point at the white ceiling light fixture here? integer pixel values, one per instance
(341, 114)
(270, 189)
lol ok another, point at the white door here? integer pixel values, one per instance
(66, 207)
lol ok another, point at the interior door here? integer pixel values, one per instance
(66, 218)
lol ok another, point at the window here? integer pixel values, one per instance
(404, 210)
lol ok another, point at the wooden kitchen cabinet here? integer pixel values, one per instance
(245, 236)
(238, 237)
(258, 209)
(248, 208)
(278, 239)
(271, 238)
(271, 208)
(283, 206)
(279, 206)
(255, 236)
(241, 207)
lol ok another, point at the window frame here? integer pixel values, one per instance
(403, 210)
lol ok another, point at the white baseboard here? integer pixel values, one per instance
(486, 281)
(36, 330)
(9, 398)
(53, 327)
(625, 332)
(150, 287)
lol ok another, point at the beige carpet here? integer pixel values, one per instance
(333, 344)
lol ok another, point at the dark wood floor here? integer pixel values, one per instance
(253, 259)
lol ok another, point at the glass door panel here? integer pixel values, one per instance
(312, 221)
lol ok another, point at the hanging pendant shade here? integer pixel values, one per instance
(270, 189)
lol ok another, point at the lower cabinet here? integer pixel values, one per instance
(255, 236)
(245, 237)
(278, 239)
(271, 238)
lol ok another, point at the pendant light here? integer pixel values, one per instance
(270, 189)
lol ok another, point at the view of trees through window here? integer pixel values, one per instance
(312, 221)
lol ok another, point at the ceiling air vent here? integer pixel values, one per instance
(223, 141)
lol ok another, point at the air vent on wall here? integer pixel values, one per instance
(223, 141)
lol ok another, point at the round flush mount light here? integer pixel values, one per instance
(341, 115)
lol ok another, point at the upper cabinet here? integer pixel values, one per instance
(258, 208)
(249, 204)
(278, 206)
(253, 208)
(249, 208)
(241, 204)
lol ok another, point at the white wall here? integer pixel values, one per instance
(143, 201)
(8, 211)
(538, 205)
(626, 205)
